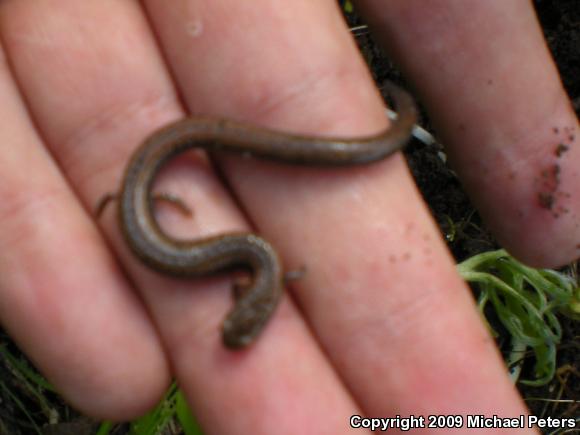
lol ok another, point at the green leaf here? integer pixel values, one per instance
(527, 302)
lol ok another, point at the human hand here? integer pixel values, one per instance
(385, 326)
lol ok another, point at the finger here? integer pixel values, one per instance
(381, 291)
(489, 83)
(93, 116)
(62, 297)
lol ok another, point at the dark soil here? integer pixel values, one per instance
(459, 222)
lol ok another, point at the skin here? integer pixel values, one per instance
(512, 111)
(381, 324)
(255, 305)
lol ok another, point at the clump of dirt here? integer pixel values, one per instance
(460, 223)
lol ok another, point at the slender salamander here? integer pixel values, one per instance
(255, 302)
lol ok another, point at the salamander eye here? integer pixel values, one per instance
(243, 324)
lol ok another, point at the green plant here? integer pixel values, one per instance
(28, 387)
(527, 302)
(31, 393)
(173, 408)
(347, 6)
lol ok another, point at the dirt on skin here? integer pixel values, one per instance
(460, 223)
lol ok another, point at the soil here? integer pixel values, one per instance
(459, 223)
